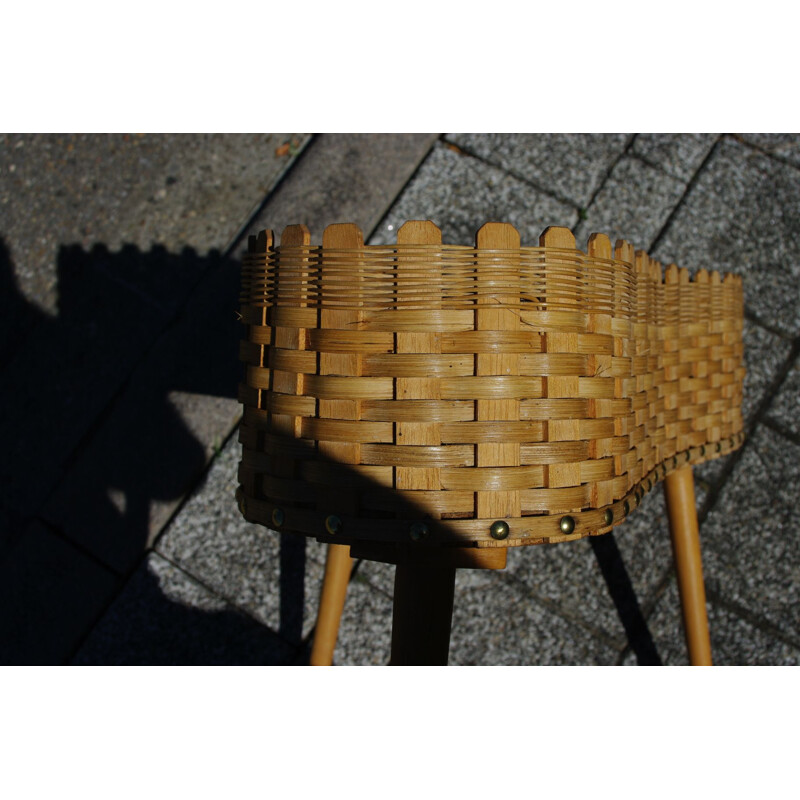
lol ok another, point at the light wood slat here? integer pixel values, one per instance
(497, 236)
(413, 475)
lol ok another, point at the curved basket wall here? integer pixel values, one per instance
(494, 395)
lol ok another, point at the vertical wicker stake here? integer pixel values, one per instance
(338, 564)
(623, 326)
(601, 365)
(423, 593)
(259, 335)
(684, 533)
(289, 338)
(657, 451)
(556, 342)
(418, 232)
(491, 316)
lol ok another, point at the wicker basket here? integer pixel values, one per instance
(488, 396)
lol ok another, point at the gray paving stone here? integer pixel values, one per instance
(678, 154)
(147, 453)
(495, 622)
(751, 547)
(276, 579)
(173, 189)
(365, 632)
(571, 166)
(743, 215)
(782, 145)
(481, 633)
(345, 178)
(785, 408)
(50, 596)
(163, 616)
(63, 376)
(633, 204)
(459, 193)
(764, 355)
(734, 641)
(568, 575)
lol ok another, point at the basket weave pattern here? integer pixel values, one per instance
(465, 385)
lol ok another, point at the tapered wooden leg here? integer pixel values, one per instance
(338, 566)
(423, 612)
(682, 511)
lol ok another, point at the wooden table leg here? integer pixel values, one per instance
(423, 612)
(682, 512)
(338, 566)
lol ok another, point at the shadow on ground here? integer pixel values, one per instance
(97, 445)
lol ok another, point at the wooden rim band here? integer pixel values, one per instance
(526, 530)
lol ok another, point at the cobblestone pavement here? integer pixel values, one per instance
(119, 258)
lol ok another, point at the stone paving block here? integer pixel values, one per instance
(743, 215)
(495, 622)
(633, 204)
(570, 576)
(345, 177)
(50, 596)
(781, 145)
(171, 189)
(734, 641)
(365, 632)
(460, 193)
(570, 587)
(63, 376)
(764, 355)
(785, 408)
(751, 547)
(275, 578)
(678, 154)
(481, 633)
(143, 457)
(163, 616)
(571, 166)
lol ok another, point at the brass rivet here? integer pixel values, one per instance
(241, 501)
(499, 529)
(278, 517)
(418, 531)
(333, 524)
(626, 508)
(608, 516)
(567, 524)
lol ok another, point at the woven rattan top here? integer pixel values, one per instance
(488, 396)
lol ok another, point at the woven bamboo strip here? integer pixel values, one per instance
(420, 471)
(258, 332)
(462, 385)
(491, 452)
(288, 360)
